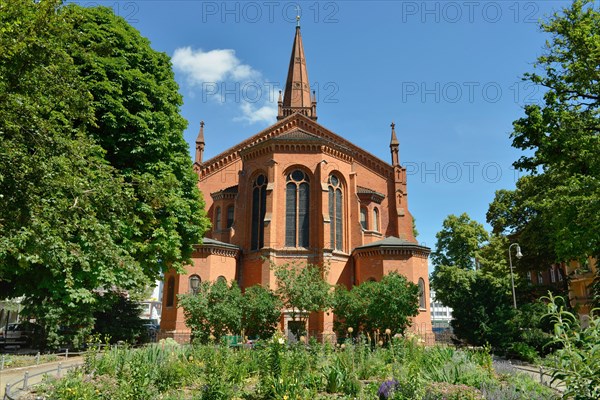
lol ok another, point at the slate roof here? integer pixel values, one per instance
(364, 190)
(216, 243)
(389, 242)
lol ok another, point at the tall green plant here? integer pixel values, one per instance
(578, 361)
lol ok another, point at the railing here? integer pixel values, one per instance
(66, 355)
(23, 385)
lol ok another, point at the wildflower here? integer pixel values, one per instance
(388, 331)
(281, 340)
(343, 346)
(380, 343)
(211, 337)
(191, 358)
(387, 388)
(302, 339)
(350, 329)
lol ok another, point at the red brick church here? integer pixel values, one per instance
(297, 191)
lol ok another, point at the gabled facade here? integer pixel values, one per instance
(297, 191)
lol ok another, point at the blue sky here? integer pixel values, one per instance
(447, 72)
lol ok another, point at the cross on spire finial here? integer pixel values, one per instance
(298, 10)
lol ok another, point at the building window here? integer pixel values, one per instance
(170, 291)
(540, 278)
(222, 279)
(552, 274)
(194, 283)
(422, 303)
(529, 276)
(363, 218)
(376, 219)
(297, 198)
(560, 273)
(218, 218)
(230, 216)
(336, 213)
(259, 205)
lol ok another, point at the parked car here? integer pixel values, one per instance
(21, 333)
(152, 328)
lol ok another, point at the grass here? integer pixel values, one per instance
(16, 361)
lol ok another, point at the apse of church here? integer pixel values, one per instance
(297, 191)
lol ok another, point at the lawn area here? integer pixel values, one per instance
(274, 369)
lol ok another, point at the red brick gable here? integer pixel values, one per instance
(288, 125)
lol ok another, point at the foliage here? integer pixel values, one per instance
(302, 288)
(213, 311)
(482, 300)
(557, 204)
(261, 312)
(458, 242)
(577, 363)
(76, 84)
(376, 306)
(119, 318)
(137, 122)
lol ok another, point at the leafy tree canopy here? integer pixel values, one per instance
(95, 179)
(376, 306)
(302, 288)
(559, 201)
(458, 242)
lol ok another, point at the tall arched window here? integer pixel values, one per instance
(336, 212)
(422, 302)
(218, 218)
(297, 199)
(376, 219)
(259, 205)
(170, 291)
(230, 210)
(363, 218)
(194, 283)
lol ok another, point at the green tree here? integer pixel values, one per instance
(458, 242)
(481, 298)
(80, 209)
(376, 306)
(65, 210)
(560, 135)
(261, 311)
(302, 289)
(215, 309)
(137, 122)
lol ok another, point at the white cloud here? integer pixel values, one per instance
(224, 79)
(217, 65)
(251, 114)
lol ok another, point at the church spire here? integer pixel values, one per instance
(297, 96)
(200, 143)
(395, 146)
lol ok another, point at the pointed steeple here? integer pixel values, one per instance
(200, 143)
(395, 146)
(297, 96)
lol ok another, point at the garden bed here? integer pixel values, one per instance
(275, 370)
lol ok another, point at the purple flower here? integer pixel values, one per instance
(387, 388)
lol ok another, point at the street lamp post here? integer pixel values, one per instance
(512, 279)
